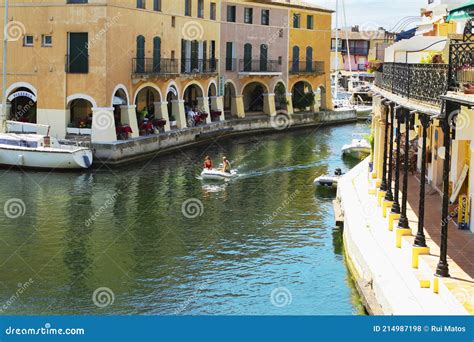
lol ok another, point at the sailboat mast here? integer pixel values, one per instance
(336, 62)
(3, 114)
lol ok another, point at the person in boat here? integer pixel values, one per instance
(208, 163)
(225, 165)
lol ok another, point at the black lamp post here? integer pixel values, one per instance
(389, 194)
(383, 185)
(403, 222)
(443, 269)
(420, 240)
(396, 202)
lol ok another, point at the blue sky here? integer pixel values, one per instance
(374, 13)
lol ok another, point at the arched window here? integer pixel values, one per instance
(248, 57)
(309, 58)
(140, 54)
(156, 54)
(296, 59)
(263, 57)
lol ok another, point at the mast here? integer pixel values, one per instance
(347, 38)
(4, 67)
(336, 62)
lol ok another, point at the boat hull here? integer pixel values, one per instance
(43, 159)
(218, 175)
(356, 152)
(326, 182)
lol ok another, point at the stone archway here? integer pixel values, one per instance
(22, 104)
(303, 97)
(149, 110)
(230, 100)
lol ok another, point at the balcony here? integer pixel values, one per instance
(166, 67)
(260, 67)
(356, 51)
(306, 67)
(461, 69)
(192, 66)
(419, 82)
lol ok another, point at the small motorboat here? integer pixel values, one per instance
(328, 181)
(358, 148)
(218, 175)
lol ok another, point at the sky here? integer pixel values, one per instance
(371, 14)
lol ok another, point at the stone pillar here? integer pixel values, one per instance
(178, 113)
(289, 103)
(128, 114)
(161, 112)
(57, 119)
(316, 107)
(217, 104)
(103, 125)
(203, 104)
(237, 107)
(269, 107)
(4, 117)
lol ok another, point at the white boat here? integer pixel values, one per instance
(328, 181)
(357, 148)
(218, 175)
(363, 111)
(41, 151)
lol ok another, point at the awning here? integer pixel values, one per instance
(118, 101)
(465, 11)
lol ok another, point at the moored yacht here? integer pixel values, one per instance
(33, 150)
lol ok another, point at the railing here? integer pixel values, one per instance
(420, 82)
(198, 66)
(167, 66)
(461, 66)
(151, 66)
(256, 65)
(306, 67)
(77, 64)
(356, 51)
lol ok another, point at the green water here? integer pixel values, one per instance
(264, 243)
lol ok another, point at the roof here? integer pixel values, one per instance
(462, 12)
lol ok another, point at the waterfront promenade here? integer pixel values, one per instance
(384, 273)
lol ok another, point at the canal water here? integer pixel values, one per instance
(152, 238)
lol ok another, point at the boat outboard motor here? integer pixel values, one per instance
(338, 172)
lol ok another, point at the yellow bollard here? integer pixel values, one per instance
(415, 255)
(380, 196)
(386, 205)
(391, 219)
(401, 232)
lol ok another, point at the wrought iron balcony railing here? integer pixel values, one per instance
(419, 82)
(158, 67)
(306, 67)
(259, 66)
(167, 66)
(461, 65)
(198, 66)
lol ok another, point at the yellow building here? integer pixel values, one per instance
(90, 67)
